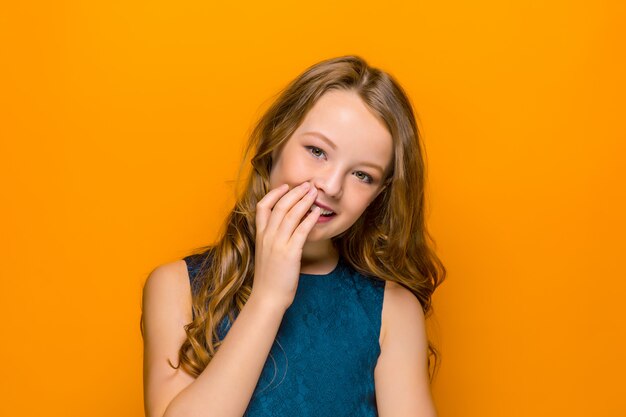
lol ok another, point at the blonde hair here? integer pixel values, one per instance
(225, 277)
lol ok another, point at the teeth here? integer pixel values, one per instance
(323, 210)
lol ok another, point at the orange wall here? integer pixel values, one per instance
(121, 130)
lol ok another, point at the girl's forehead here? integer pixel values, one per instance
(343, 123)
(342, 115)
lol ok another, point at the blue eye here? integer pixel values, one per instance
(315, 149)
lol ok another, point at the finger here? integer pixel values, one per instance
(302, 231)
(284, 204)
(264, 206)
(295, 215)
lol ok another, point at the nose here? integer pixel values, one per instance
(330, 182)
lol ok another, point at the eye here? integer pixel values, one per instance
(367, 177)
(314, 149)
(319, 153)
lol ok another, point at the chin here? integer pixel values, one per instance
(313, 237)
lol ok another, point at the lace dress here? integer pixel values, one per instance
(323, 357)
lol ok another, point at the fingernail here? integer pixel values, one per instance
(306, 185)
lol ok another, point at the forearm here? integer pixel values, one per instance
(226, 385)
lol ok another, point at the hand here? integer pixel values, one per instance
(280, 235)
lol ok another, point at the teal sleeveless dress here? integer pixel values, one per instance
(323, 357)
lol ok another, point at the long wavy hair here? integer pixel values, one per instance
(389, 241)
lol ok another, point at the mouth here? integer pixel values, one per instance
(325, 213)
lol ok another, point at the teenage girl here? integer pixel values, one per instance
(312, 301)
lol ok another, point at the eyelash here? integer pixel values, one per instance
(370, 178)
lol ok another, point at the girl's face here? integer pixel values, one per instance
(347, 168)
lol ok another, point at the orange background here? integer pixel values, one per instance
(121, 131)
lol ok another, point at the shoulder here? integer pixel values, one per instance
(167, 292)
(401, 312)
(173, 275)
(166, 309)
(401, 372)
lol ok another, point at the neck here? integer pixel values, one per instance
(318, 257)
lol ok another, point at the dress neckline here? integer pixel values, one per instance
(333, 272)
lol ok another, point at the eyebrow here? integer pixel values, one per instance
(332, 145)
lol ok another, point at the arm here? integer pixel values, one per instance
(226, 385)
(401, 374)
(224, 388)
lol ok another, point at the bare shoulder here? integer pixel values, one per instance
(171, 276)
(401, 308)
(167, 288)
(401, 373)
(166, 297)
(166, 309)
(166, 300)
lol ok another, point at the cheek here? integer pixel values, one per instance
(284, 171)
(273, 174)
(358, 204)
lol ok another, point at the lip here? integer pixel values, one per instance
(323, 219)
(324, 206)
